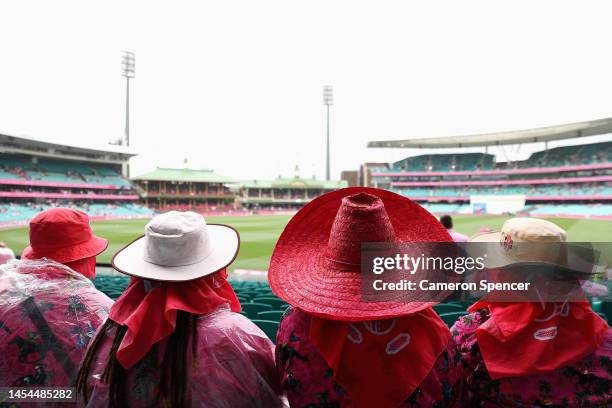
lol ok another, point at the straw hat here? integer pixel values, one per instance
(64, 235)
(178, 247)
(533, 242)
(316, 262)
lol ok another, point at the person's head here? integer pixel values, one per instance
(536, 250)
(180, 251)
(65, 236)
(447, 221)
(322, 242)
(525, 240)
(316, 266)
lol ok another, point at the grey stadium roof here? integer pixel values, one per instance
(543, 134)
(34, 146)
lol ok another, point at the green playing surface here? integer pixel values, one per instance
(259, 234)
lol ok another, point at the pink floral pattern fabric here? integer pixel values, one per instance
(48, 314)
(308, 381)
(585, 383)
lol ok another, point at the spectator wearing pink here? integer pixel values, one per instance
(6, 254)
(534, 354)
(49, 311)
(447, 221)
(175, 337)
(335, 349)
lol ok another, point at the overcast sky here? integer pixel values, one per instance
(236, 85)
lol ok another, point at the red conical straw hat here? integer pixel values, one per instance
(316, 262)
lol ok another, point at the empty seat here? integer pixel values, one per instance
(251, 309)
(606, 309)
(248, 293)
(274, 315)
(448, 308)
(275, 302)
(269, 327)
(452, 317)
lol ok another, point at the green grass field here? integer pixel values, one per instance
(259, 234)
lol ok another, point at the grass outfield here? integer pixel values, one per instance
(259, 233)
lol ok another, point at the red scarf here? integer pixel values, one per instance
(86, 266)
(380, 363)
(151, 315)
(522, 339)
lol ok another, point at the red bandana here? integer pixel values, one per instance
(530, 338)
(151, 316)
(86, 266)
(380, 363)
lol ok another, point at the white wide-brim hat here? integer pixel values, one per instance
(178, 247)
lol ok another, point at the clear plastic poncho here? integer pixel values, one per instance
(234, 368)
(48, 314)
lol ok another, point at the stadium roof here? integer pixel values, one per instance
(543, 134)
(34, 146)
(296, 183)
(184, 175)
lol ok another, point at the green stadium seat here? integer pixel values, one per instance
(448, 308)
(275, 302)
(114, 294)
(452, 317)
(595, 304)
(274, 315)
(251, 309)
(606, 309)
(269, 327)
(603, 316)
(465, 305)
(249, 293)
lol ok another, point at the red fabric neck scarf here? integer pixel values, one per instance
(150, 316)
(522, 339)
(86, 267)
(380, 363)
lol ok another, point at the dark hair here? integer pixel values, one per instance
(447, 221)
(173, 379)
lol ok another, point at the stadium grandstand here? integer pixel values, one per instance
(167, 189)
(561, 181)
(37, 175)
(284, 193)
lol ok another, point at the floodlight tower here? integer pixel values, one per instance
(128, 63)
(328, 100)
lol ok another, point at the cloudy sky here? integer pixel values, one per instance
(236, 85)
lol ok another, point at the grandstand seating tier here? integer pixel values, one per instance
(19, 212)
(563, 156)
(14, 167)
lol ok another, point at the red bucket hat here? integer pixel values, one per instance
(64, 235)
(309, 269)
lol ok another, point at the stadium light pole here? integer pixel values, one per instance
(128, 63)
(328, 100)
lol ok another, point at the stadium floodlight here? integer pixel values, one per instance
(328, 100)
(128, 65)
